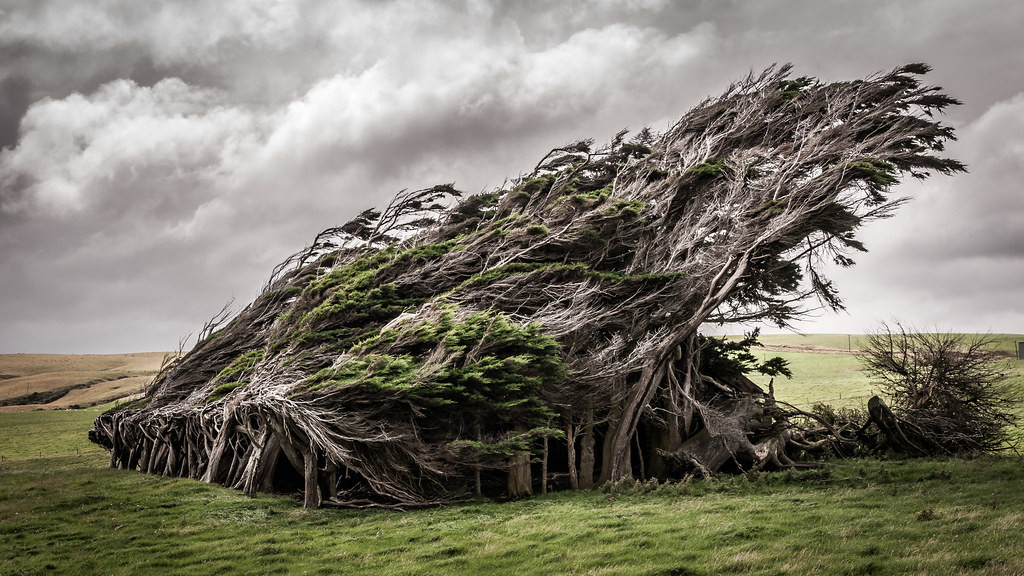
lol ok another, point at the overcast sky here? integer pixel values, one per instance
(160, 157)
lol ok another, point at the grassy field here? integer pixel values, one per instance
(47, 433)
(826, 368)
(57, 381)
(831, 378)
(71, 515)
(1004, 343)
(62, 511)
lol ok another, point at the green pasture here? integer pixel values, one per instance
(834, 379)
(822, 372)
(71, 515)
(63, 511)
(47, 433)
(853, 342)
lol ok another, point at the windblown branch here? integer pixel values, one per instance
(404, 356)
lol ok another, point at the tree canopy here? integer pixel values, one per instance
(428, 349)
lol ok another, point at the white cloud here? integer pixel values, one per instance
(295, 114)
(174, 31)
(978, 214)
(206, 189)
(79, 151)
(953, 257)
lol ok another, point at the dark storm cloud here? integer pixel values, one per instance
(169, 155)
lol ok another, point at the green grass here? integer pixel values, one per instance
(71, 515)
(834, 379)
(47, 433)
(839, 341)
(852, 342)
(64, 513)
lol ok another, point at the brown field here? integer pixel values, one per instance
(56, 381)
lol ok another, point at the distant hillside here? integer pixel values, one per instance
(57, 381)
(854, 342)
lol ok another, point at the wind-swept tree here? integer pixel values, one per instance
(416, 353)
(949, 393)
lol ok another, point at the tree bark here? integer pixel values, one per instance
(571, 432)
(260, 476)
(653, 374)
(544, 469)
(727, 439)
(330, 481)
(887, 422)
(587, 450)
(617, 463)
(640, 457)
(213, 471)
(312, 497)
(520, 480)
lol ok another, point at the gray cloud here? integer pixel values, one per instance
(954, 257)
(166, 158)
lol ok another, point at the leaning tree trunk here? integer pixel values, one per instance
(890, 426)
(726, 438)
(719, 289)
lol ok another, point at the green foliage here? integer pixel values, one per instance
(286, 292)
(382, 371)
(878, 175)
(502, 225)
(219, 392)
(362, 298)
(593, 236)
(537, 230)
(535, 186)
(352, 302)
(308, 339)
(727, 359)
(556, 270)
(491, 377)
(236, 374)
(591, 197)
(499, 451)
(466, 215)
(241, 367)
(713, 168)
(505, 271)
(353, 296)
(362, 225)
(657, 174)
(628, 208)
(792, 89)
(425, 252)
